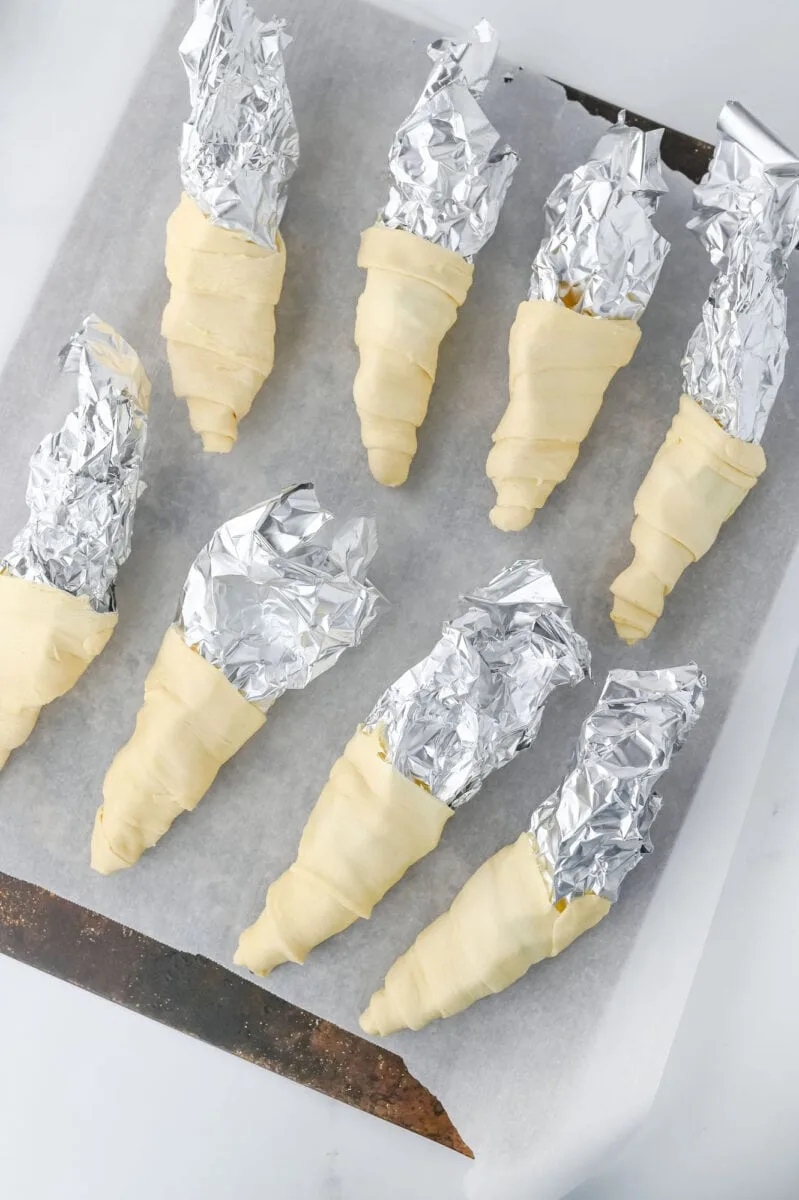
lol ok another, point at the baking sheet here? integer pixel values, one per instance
(504, 1069)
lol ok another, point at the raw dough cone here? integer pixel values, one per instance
(499, 925)
(412, 295)
(697, 480)
(192, 721)
(369, 825)
(220, 320)
(47, 640)
(561, 363)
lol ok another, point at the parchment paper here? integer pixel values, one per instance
(503, 1070)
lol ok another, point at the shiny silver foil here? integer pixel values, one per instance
(602, 254)
(747, 218)
(279, 593)
(594, 829)
(240, 145)
(85, 479)
(478, 697)
(449, 170)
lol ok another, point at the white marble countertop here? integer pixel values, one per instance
(94, 1101)
(723, 1126)
(98, 1104)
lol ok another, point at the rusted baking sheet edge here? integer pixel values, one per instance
(680, 152)
(201, 998)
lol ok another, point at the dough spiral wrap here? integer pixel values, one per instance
(697, 480)
(413, 291)
(499, 925)
(47, 640)
(561, 363)
(191, 722)
(369, 825)
(219, 323)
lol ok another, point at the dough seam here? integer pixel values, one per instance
(550, 343)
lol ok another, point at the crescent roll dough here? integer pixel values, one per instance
(219, 323)
(499, 925)
(412, 295)
(369, 825)
(47, 640)
(561, 363)
(192, 721)
(696, 481)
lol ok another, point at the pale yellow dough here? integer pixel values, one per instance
(369, 825)
(499, 925)
(47, 640)
(696, 481)
(561, 363)
(220, 320)
(192, 721)
(412, 295)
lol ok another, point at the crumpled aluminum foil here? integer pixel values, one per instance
(450, 172)
(85, 479)
(478, 697)
(594, 829)
(602, 254)
(279, 593)
(747, 218)
(240, 145)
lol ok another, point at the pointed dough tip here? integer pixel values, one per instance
(104, 859)
(216, 443)
(240, 960)
(628, 633)
(510, 519)
(259, 953)
(377, 1020)
(389, 467)
(105, 864)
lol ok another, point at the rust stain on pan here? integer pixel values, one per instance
(202, 999)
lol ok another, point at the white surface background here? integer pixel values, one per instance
(723, 1126)
(95, 1101)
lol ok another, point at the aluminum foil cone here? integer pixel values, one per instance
(279, 593)
(477, 699)
(594, 829)
(449, 170)
(85, 479)
(602, 254)
(747, 218)
(240, 145)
